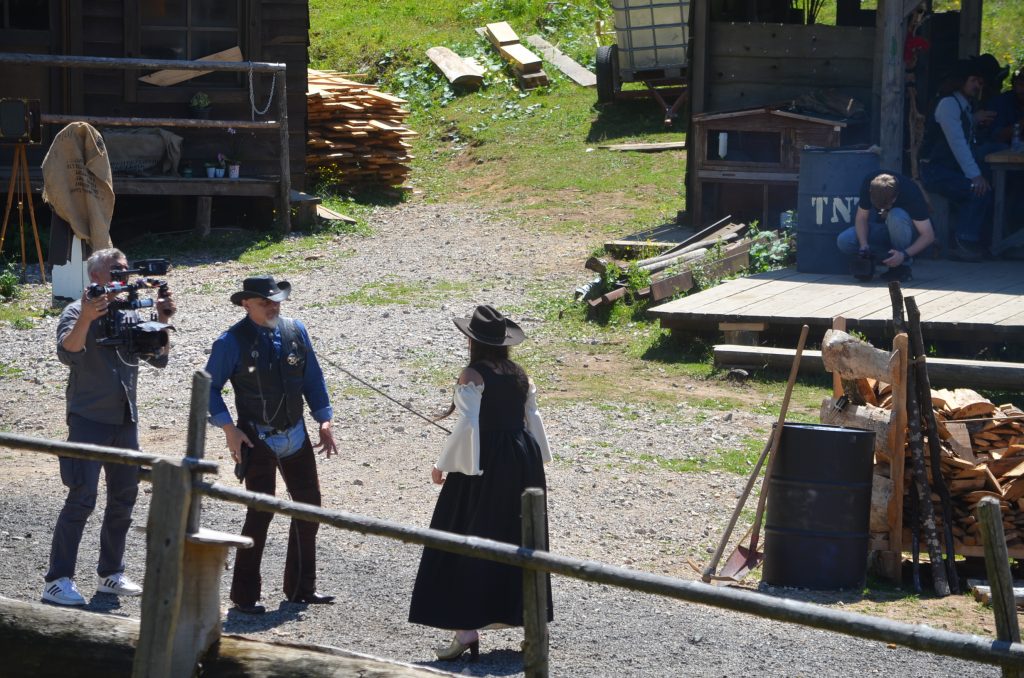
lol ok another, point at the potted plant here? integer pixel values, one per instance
(211, 169)
(230, 164)
(199, 104)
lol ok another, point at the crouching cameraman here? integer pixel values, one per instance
(101, 410)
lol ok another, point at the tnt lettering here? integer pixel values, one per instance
(841, 210)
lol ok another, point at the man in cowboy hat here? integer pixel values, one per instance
(270, 362)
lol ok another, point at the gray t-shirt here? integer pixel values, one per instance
(102, 383)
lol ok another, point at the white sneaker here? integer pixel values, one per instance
(62, 592)
(119, 584)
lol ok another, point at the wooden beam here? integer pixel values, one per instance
(577, 73)
(173, 77)
(970, 29)
(943, 372)
(523, 60)
(500, 33)
(890, 33)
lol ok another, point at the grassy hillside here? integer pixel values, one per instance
(533, 152)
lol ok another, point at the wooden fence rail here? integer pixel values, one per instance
(181, 612)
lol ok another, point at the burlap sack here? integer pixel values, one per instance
(77, 183)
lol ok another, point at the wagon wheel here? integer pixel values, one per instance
(609, 83)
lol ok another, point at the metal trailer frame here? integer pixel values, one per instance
(652, 39)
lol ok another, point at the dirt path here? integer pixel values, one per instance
(382, 307)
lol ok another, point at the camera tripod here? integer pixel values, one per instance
(21, 187)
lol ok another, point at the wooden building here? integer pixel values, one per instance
(750, 54)
(275, 31)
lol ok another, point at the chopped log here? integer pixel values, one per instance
(867, 417)
(458, 71)
(500, 33)
(524, 62)
(853, 358)
(676, 253)
(881, 495)
(577, 73)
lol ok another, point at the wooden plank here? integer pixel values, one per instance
(944, 372)
(523, 60)
(646, 147)
(531, 80)
(455, 68)
(841, 42)
(708, 298)
(173, 77)
(577, 73)
(500, 34)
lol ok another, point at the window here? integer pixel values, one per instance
(190, 29)
(30, 15)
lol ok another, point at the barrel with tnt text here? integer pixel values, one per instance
(828, 193)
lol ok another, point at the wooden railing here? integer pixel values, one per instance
(181, 600)
(280, 93)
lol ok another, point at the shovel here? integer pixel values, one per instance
(744, 559)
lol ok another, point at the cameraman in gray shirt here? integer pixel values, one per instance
(101, 410)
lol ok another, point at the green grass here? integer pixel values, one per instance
(739, 460)
(8, 371)
(400, 293)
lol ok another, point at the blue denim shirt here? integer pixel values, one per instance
(224, 361)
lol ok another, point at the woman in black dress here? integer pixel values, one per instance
(496, 450)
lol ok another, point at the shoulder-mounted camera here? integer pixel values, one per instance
(123, 324)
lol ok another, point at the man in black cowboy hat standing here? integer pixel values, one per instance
(270, 362)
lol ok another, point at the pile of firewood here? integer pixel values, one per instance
(356, 132)
(983, 456)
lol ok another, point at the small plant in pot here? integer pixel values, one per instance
(199, 104)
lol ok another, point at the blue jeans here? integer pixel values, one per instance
(895, 234)
(973, 211)
(82, 477)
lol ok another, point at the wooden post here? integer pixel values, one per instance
(892, 561)
(997, 567)
(284, 200)
(535, 588)
(969, 43)
(204, 206)
(196, 449)
(165, 546)
(889, 69)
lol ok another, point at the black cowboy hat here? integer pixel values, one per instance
(990, 69)
(263, 286)
(489, 326)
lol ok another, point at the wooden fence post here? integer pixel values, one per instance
(997, 567)
(165, 548)
(196, 448)
(535, 589)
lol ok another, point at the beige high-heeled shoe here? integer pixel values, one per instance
(457, 649)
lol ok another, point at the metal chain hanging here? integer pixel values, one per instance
(254, 111)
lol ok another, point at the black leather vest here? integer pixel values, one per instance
(269, 391)
(935, 146)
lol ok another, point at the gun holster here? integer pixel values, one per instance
(242, 467)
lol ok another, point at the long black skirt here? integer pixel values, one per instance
(458, 592)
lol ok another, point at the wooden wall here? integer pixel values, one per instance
(757, 64)
(279, 33)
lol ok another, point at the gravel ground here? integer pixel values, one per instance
(603, 504)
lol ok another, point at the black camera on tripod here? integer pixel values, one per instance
(142, 339)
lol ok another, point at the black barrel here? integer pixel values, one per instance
(828, 193)
(819, 508)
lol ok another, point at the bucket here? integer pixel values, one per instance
(819, 508)
(827, 197)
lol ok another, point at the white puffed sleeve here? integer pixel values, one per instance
(461, 452)
(535, 425)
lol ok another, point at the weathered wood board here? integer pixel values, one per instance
(173, 77)
(577, 73)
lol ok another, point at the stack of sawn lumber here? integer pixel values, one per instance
(712, 253)
(356, 132)
(983, 456)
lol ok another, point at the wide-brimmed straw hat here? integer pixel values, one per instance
(264, 287)
(488, 326)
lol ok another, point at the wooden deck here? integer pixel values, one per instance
(958, 301)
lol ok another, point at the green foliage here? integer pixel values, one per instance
(771, 250)
(637, 278)
(8, 371)
(9, 283)
(200, 100)
(705, 274)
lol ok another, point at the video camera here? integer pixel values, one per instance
(143, 339)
